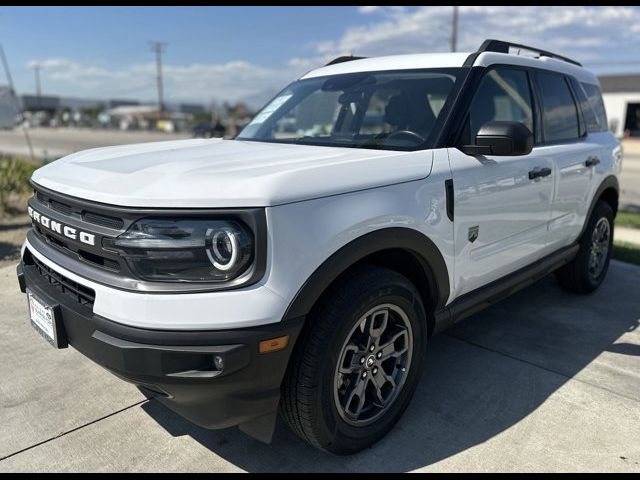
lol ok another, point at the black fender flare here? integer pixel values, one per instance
(412, 241)
(609, 182)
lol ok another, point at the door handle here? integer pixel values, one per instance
(539, 172)
(592, 162)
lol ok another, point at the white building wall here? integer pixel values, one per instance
(616, 106)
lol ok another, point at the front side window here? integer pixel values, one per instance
(559, 112)
(503, 95)
(384, 110)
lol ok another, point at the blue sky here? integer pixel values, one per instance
(218, 53)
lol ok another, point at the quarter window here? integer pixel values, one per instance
(559, 111)
(503, 95)
(590, 119)
(595, 99)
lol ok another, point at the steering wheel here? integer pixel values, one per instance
(406, 135)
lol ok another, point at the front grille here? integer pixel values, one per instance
(60, 207)
(104, 220)
(86, 215)
(81, 294)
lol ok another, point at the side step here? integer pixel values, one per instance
(484, 297)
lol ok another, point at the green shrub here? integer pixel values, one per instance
(628, 219)
(14, 181)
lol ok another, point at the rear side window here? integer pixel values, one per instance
(559, 111)
(595, 99)
(503, 95)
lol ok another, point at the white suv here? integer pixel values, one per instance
(302, 266)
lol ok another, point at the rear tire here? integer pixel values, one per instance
(337, 357)
(588, 269)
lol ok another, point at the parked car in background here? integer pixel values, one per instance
(209, 130)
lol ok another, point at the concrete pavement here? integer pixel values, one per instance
(544, 381)
(630, 182)
(625, 234)
(630, 175)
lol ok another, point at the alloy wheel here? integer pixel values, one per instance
(373, 364)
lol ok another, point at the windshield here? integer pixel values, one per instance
(387, 110)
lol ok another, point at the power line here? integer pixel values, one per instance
(454, 29)
(17, 107)
(158, 48)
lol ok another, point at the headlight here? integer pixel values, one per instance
(187, 250)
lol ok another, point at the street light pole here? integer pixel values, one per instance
(36, 70)
(17, 106)
(158, 48)
(454, 29)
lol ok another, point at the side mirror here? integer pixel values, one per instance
(501, 138)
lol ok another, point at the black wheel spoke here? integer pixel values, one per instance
(351, 359)
(357, 397)
(378, 382)
(389, 349)
(378, 324)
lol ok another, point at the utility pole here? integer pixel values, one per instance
(454, 29)
(17, 105)
(36, 70)
(158, 48)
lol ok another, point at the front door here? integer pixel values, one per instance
(502, 204)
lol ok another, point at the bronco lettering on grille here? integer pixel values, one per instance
(61, 229)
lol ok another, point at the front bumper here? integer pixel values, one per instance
(178, 367)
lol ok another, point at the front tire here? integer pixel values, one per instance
(588, 269)
(357, 363)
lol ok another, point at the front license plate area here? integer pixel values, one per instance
(45, 319)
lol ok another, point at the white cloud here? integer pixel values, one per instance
(231, 81)
(590, 34)
(369, 9)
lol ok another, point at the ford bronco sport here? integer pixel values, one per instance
(302, 267)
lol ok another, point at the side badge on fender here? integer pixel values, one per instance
(473, 233)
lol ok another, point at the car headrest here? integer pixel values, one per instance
(398, 112)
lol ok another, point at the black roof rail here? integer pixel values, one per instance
(500, 46)
(342, 59)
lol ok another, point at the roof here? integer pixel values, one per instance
(449, 60)
(620, 83)
(392, 62)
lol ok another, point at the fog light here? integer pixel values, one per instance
(218, 361)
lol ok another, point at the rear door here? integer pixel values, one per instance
(573, 152)
(501, 214)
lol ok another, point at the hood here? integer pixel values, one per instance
(205, 173)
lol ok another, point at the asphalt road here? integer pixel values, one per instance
(51, 143)
(544, 381)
